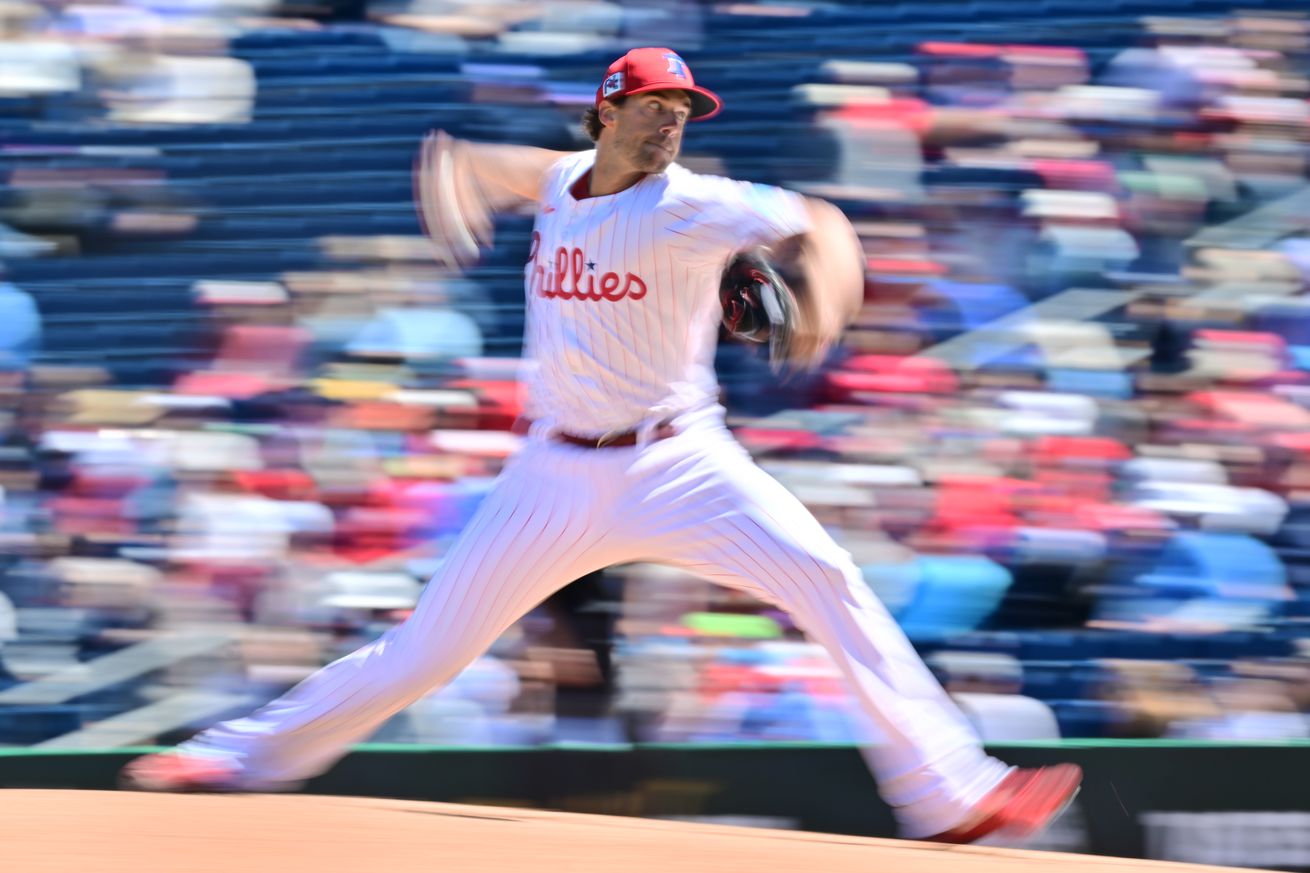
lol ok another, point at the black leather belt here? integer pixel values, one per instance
(612, 440)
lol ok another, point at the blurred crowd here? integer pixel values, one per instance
(1067, 439)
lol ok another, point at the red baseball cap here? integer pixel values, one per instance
(657, 69)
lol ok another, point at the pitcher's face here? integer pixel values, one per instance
(646, 129)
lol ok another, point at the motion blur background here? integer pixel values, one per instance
(1068, 438)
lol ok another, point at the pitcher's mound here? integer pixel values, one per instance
(126, 832)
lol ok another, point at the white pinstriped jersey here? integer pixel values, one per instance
(622, 291)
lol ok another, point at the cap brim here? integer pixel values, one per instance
(704, 102)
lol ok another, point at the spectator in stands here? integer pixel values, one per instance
(20, 328)
(1154, 696)
(146, 85)
(8, 633)
(34, 66)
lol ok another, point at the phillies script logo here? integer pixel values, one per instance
(571, 275)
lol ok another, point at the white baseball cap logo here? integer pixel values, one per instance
(677, 66)
(612, 85)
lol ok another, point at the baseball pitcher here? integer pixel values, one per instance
(635, 262)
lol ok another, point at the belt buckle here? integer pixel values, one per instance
(606, 438)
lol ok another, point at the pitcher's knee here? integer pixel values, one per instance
(401, 664)
(428, 669)
(830, 571)
(831, 565)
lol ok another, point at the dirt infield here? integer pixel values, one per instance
(117, 832)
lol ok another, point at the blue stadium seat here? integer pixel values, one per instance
(1087, 718)
(1055, 646)
(1056, 680)
(307, 40)
(28, 725)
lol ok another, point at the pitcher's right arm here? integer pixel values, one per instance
(459, 186)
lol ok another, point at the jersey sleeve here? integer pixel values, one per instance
(730, 216)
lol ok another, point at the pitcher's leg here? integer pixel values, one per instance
(536, 531)
(722, 517)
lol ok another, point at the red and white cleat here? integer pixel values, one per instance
(177, 772)
(1021, 806)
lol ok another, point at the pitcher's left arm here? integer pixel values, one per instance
(825, 267)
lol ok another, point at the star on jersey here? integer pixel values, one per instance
(591, 265)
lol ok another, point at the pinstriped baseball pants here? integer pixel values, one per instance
(695, 501)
